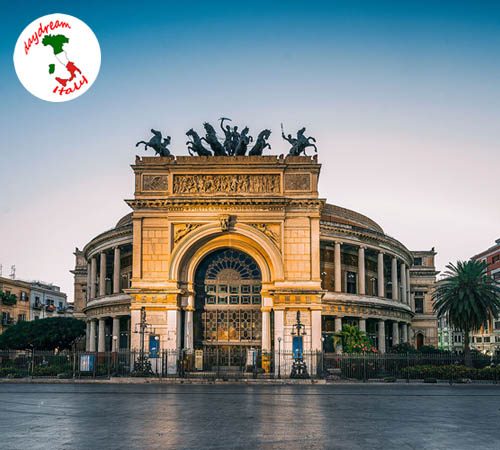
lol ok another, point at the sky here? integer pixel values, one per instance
(402, 97)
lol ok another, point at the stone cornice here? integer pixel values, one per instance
(226, 203)
(122, 235)
(365, 235)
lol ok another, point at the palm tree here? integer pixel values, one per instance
(468, 297)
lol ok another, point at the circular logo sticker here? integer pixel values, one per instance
(57, 57)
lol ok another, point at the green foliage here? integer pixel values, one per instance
(8, 299)
(453, 372)
(43, 334)
(402, 349)
(467, 296)
(354, 340)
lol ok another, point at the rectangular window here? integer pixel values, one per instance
(351, 282)
(486, 339)
(21, 317)
(419, 302)
(479, 339)
(495, 259)
(497, 325)
(417, 261)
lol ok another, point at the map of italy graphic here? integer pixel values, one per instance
(57, 42)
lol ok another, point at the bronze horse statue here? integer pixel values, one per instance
(195, 145)
(244, 140)
(260, 143)
(157, 143)
(300, 143)
(212, 141)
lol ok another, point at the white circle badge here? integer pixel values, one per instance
(57, 57)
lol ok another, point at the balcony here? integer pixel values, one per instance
(61, 309)
(37, 305)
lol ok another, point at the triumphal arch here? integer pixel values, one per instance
(226, 251)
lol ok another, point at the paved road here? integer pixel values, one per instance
(240, 417)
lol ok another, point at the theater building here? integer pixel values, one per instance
(221, 253)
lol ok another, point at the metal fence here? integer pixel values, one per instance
(248, 363)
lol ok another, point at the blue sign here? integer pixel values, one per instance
(297, 347)
(154, 346)
(87, 363)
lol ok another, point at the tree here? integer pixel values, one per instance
(468, 297)
(43, 334)
(354, 340)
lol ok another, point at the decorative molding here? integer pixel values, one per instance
(155, 182)
(227, 184)
(225, 222)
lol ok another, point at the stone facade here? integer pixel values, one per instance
(423, 278)
(20, 310)
(333, 265)
(487, 339)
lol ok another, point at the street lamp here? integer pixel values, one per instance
(279, 357)
(299, 367)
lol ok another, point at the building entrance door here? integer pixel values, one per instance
(228, 320)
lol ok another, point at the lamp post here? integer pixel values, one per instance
(142, 364)
(279, 357)
(299, 367)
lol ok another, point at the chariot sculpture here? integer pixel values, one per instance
(233, 142)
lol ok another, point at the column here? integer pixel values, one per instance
(102, 275)
(101, 342)
(380, 275)
(338, 329)
(408, 284)
(408, 333)
(92, 336)
(338, 268)
(316, 330)
(115, 338)
(362, 325)
(395, 333)
(93, 276)
(381, 336)
(404, 298)
(404, 333)
(361, 271)
(266, 329)
(116, 271)
(89, 283)
(188, 323)
(87, 336)
(394, 278)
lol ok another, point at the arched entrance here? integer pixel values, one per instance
(228, 320)
(420, 340)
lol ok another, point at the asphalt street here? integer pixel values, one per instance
(36, 416)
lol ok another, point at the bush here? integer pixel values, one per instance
(453, 372)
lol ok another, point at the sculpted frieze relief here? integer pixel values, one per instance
(227, 184)
(183, 229)
(155, 182)
(272, 231)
